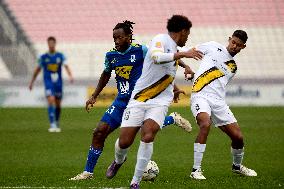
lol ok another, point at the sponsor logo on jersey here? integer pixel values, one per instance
(52, 67)
(123, 71)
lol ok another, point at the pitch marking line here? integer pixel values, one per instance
(54, 187)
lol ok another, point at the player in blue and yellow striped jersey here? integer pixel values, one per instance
(126, 59)
(51, 63)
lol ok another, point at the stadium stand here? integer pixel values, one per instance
(17, 54)
(84, 28)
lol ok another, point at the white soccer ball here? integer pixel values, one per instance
(151, 171)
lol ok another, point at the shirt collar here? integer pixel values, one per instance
(126, 51)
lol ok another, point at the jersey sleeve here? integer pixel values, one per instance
(157, 50)
(40, 61)
(204, 47)
(107, 65)
(145, 50)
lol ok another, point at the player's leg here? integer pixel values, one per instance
(109, 122)
(58, 98)
(176, 119)
(57, 111)
(51, 110)
(122, 144)
(237, 149)
(99, 136)
(202, 112)
(154, 118)
(131, 122)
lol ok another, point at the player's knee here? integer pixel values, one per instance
(124, 143)
(204, 124)
(147, 137)
(238, 140)
(100, 133)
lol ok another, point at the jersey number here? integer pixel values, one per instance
(110, 110)
(197, 107)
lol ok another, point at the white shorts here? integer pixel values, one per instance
(136, 115)
(217, 109)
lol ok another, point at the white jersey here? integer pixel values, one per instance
(155, 86)
(216, 69)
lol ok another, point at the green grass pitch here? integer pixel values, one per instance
(33, 158)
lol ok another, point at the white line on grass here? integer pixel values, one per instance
(54, 187)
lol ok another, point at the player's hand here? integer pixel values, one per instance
(193, 53)
(188, 73)
(31, 86)
(176, 95)
(90, 103)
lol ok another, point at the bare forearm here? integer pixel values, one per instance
(35, 74)
(182, 64)
(102, 83)
(69, 73)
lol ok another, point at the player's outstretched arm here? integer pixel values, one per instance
(188, 72)
(35, 74)
(105, 76)
(69, 73)
(192, 53)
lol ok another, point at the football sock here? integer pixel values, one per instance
(51, 114)
(93, 157)
(120, 154)
(57, 114)
(199, 149)
(168, 121)
(238, 155)
(144, 155)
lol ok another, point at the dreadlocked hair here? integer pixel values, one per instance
(127, 27)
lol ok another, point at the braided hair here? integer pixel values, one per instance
(127, 27)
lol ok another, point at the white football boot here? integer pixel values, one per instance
(181, 122)
(197, 175)
(83, 176)
(52, 130)
(245, 171)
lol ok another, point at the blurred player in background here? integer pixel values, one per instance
(208, 104)
(152, 95)
(51, 63)
(126, 59)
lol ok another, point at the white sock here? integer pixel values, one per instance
(120, 154)
(238, 155)
(144, 155)
(199, 149)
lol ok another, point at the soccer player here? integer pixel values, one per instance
(126, 59)
(152, 95)
(208, 104)
(51, 63)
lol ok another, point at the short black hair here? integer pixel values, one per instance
(127, 27)
(241, 34)
(178, 22)
(51, 38)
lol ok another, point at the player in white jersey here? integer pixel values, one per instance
(208, 100)
(152, 95)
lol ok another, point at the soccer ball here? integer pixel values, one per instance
(151, 171)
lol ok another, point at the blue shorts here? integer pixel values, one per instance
(54, 90)
(113, 116)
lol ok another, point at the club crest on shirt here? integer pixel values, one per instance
(58, 60)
